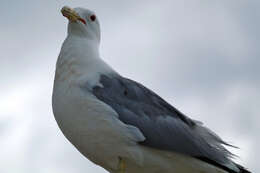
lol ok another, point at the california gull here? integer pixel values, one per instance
(120, 124)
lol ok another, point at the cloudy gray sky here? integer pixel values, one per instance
(201, 56)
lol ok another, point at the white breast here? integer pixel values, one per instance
(89, 124)
(93, 127)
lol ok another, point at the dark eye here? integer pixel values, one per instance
(93, 18)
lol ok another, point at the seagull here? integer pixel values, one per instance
(118, 123)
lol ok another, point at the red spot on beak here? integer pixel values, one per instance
(82, 20)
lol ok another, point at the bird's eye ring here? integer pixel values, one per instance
(93, 18)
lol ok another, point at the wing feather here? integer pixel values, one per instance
(163, 126)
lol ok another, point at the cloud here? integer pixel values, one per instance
(201, 57)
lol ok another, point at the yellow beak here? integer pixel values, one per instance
(71, 14)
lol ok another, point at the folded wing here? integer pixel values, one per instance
(163, 126)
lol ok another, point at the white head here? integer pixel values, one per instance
(82, 23)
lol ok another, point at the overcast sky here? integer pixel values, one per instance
(201, 56)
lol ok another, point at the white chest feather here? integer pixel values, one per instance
(89, 124)
(94, 128)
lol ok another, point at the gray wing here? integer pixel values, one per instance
(163, 126)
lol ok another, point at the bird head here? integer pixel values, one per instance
(82, 23)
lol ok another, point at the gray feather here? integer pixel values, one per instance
(163, 126)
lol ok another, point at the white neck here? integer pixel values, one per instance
(81, 46)
(79, 61)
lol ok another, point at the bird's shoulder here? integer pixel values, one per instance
(120, 91)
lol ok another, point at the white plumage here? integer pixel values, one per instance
(93, 126)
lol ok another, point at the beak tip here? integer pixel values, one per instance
(65, 8)
(69, 13)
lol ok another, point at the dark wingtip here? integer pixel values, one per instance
(242, 169)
